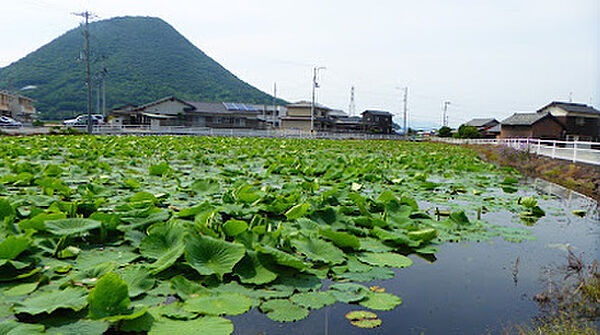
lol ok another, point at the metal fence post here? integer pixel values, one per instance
(553, 149)
(575, 151)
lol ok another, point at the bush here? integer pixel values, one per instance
(38, 123)
(445, 132)
(465, 131)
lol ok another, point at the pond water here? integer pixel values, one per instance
(470, 288)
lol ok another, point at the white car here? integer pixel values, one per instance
(81, 120)
(9, 122)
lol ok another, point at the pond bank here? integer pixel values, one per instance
(582, 178)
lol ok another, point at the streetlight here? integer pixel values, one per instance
(315, 85)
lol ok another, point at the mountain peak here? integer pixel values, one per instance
(145, 59)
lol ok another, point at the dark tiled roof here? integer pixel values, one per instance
(525, 119)
(208, 107)
(495, 129)
(572, 107)
(481, 122)
(374, 112)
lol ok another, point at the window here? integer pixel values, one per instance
(580, 121)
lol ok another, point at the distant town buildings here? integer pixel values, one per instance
(16, 106)
(171, 111)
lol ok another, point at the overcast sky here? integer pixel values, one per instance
(489, 58)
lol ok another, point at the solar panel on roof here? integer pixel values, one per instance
(229, 106)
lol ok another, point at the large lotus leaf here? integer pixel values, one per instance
(300, 282)
(21, 289)
(385, 259)
(71, 226)
(205, 186)
(140, 324)
(12, 327)
(118, 256)
(37, 222)
(423, 235)
(186, 288)
(234, 227)
(79, 327)
(138, 280)
(159, 169)
(212, 325)
(109, 300)
(319, 250)
(297, 211)
(348, 292)
(283, 310)
(48, 301)
(142, 222)
(255, 268)
(380, 301)
(208, 255)
(13, 246)
(283, 258)
(313, 300)
(396, 237)
(341, 239)
(218, 304)
(163, 243)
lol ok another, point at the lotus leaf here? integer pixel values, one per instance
(48, 301)
(385, 259)
(319, 250)
(218, 304)
(381, 301)
(208, 255)
(363, 319)
(283, 310)
(71, 226)
(204, 325)
(313, 300)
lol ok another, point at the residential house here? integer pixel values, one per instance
(484, 125)
(171, 111)
(532, 125)
(298, 117)
(582, 122)
(16, 106)
(377, 121)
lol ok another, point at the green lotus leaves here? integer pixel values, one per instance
(13, 246)
(73, 298)
(319, 250)
(71, 226)
(109, 300)
(218, 304)
(164, 243)
(363, 319)
(203, 325)
(256, 268)
(297, 211)
(205, 186)
(164, 234)
(385, 259)
(341, 239)
(234, 227)
(348, 292)
(208, 255)
(380, 301)
(283, 258)
(283, 310)
(313, 300)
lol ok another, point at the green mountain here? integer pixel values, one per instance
(145, 58)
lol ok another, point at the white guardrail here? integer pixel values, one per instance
(575, 151)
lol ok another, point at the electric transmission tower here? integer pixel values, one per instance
(86, 35)
(352, 107)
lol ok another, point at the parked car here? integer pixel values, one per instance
(5, 121)
(81, 120)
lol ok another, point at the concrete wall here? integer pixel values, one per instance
(166, 108)
(296, 124)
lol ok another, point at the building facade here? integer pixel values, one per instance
(16, 106)
(582, 122)
(532, 125)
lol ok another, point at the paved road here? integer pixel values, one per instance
(583, 155)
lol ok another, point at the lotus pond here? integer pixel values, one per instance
(198, 235)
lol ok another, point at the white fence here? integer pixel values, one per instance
(575, 151)
(234, 132)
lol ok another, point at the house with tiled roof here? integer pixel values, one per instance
(532, 125)
(582, 122)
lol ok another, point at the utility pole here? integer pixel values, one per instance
(98, 92)
(315, 85)
(86, 36)
(352, 107)
(274, 116)
(405, 110)
(445, 115)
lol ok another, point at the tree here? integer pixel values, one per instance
(445, 132)
(465, 131)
